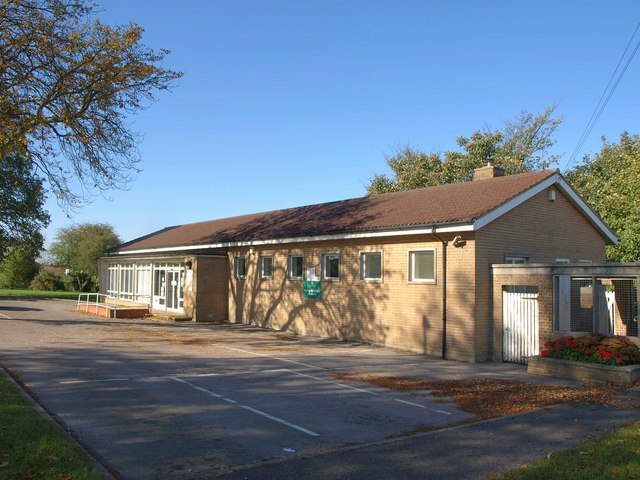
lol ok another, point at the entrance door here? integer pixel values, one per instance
(519, 323)
(175, 289)
(159, 289)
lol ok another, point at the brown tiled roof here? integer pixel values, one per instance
(458, 203)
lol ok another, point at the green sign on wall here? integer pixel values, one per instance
(312, 289)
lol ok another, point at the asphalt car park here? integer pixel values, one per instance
(162, 400)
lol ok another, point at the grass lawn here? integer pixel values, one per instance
(615, 456)
(26, 293)
(33, 447)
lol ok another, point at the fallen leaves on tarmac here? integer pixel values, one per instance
(491, 397)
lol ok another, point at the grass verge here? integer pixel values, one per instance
(32, 447)
(616, 455)
(26, 293)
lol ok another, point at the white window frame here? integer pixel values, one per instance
(236, 266)
(290, 274)
(126, 285)
(325, 257)
(411, 267)
(143, 282)
(113, 277)
(364, 275)
(517, 259)
(261, 260)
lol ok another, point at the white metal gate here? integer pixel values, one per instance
(519, 323)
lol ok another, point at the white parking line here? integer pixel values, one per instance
(68, 382)
(409, 403)
(370, 392)
(246, 407)
(335, 383)
(275, 358)
(257, 372)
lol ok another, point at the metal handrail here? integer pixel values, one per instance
(113, 305)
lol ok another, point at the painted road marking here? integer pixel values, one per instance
(370, 392)
(255, 372)
(68, 382)
(180, 374)
(246, 407)
(335, 383)
(409, 403)
(274, 358)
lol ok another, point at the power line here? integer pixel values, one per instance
(597, 112)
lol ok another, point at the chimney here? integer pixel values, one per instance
(488, 172)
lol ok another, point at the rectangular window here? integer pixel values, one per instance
(240, 266)
(143, 283)
(422, 266)
(516, 259)
(112, 289)
(331, 266)
(371, 266)
(295, 267)
(126, 281)
(266, 266)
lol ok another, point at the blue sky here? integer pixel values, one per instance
(288, 103)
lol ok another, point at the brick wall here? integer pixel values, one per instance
(209, 289)
(539, 229)
(393, 312)
(544, 282)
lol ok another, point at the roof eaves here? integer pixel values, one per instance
(514, 201)
(592, 216)
(379, 233)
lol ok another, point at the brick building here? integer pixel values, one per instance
(410, 270)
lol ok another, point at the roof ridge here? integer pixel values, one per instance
(450, 204)
(364, 197)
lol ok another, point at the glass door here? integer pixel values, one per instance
(159, 288)
(175, 292)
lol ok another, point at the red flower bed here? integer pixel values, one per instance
(594, 348)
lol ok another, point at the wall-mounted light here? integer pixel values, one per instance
(458, 241)
(188, 264)
(252, 251)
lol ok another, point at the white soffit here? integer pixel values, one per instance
(555, 179)
(577, 200)
(573, 196)
(314, 238)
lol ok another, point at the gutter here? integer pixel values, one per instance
(464, 227)
(444, 292)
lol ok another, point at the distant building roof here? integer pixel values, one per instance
(445, 207)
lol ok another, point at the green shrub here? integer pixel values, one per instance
(47, 281)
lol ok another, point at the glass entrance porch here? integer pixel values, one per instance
(168, 287)
(159, 285)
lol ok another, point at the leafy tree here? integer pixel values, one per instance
(18, 267)
(45, 280)
(67, 84)
(22, 214)
(78, 248)
(521, 146)
(610, 182)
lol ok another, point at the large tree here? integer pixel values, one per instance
(522, 145)
(610, 182)
(18, 267)
(78, 248)
(22, 214)
(67, 84)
